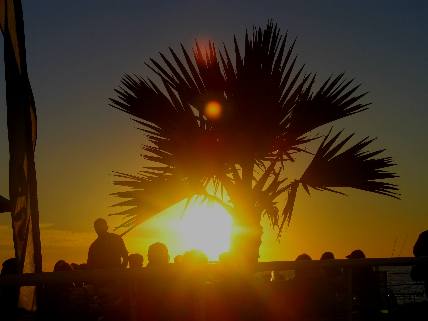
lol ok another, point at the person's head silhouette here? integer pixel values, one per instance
(303, 257)
(135, 261)
(327, 256)
(356, 254)
(61, 265)
(195, 258)
(158, 255)
(10, 266)
(100, 226)
(303, 272)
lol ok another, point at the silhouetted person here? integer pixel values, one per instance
(333, 289)
(9, 294)
(330, 272)
(303, 273)
(135, 261)
(303, 257)
(155, 298)
(327, 256)
(158, 255)
(421, 246)
(356, 254)
(420, 249)
(305, 288)
(365, 291)
(108, 250)
(194, 258)
(10, 266)
(57, 304)
(61, 265)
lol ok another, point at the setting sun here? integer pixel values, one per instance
(206, 227)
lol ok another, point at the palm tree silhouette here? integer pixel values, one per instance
(225, 130)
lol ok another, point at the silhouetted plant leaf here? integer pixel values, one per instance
(287, 212)
(150, 194)
(333, 101)
(354, 167)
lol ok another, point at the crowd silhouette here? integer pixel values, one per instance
(305, 294)
(420, 249)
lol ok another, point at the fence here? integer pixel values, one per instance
(152, 278)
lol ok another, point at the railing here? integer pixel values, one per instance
(105, 275)
(152, 278)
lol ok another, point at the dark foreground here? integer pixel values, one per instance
(354, 289)
(191, 295)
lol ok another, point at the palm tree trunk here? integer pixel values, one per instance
(247, 234)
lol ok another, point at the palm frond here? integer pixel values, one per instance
(268, 187)
(334, 100)
(197, 82)
(176, 137)
(355, 167)
(148, 195)
(256, 91)
(287, 212)
(263, 83)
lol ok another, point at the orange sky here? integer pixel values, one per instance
(320, 222)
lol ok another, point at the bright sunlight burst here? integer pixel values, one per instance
(206, 226)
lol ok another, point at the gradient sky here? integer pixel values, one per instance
(77, 52)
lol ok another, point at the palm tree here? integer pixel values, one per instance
(225, 130)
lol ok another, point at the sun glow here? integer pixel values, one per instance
(206, 227)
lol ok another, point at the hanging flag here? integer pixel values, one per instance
(22, 132)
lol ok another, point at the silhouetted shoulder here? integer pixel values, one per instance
(421, 246)
(116, 242)
(117, 239)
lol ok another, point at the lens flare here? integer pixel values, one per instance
(213, 110)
